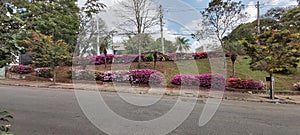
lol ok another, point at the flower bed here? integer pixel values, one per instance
(245, 84)
(20, 69)
(83, 75)
(202, 80)
(200, 55)
(43, 72)
(141, 76)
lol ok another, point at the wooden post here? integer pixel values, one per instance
(272, 96)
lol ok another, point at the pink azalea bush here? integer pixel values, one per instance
(202, 80)
(141, 76)
(83, 75)
(296, 86)
(245, 84)
(144, 76)
(43, 72)
(200, 55)
(20, 69)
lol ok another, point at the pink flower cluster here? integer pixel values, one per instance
(202, 80)
(141, 76)
(200, 55)
(20, 69)
(246, 84)
(83, 75)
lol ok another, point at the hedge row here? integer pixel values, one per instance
(141, 76)
(202, 80)
(246, 84)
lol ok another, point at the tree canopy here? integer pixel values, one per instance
(10, 27)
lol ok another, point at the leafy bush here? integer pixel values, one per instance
(297, 86)
(121, 76)
(125, 58)
(20, 69)
(149, 57)
(185, 79)
(246, 84)
(104, 76)
(142, 76)
(203, 80)
(83, 75)
(4, 126)
(43, 72)
(200, 55)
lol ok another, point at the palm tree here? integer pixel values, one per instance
(183, 43)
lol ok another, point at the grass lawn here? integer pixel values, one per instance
(170, 69)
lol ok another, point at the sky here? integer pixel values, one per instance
(181, 18)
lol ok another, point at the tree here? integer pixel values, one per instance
(170, 47)
(273, 52)
(139, 16)
(291, 20)
(222, 16)
(183, 44)
(277, 12)
(48, 52)
(131, 45)
(10, 26)
(90, 27)
(59, 18)
(104, 45)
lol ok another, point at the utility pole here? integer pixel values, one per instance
(97, 46)
(161, 29)
(258, 17)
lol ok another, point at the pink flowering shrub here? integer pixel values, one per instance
(83, 75)
(121, 76)
(144, 76)
(185, 79)
(43, 72)
(202, 80)
(20, 69)
(297, 86)
(200, 55)
(125, 58)
(141, 76)
(245, 84)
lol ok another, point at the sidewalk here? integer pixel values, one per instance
(283, 99)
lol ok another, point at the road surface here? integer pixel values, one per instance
(41, 111)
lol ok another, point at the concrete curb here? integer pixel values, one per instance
(184, 93)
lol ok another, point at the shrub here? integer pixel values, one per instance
(20, 69)
(203, 80)
(104, 76)
(143, 76)
(149, 57)
(200, 55)
(297, 86)
(121, 76)
(83, 75)
(43, 72)
(246, 84)
(185, 79)
(125, 58)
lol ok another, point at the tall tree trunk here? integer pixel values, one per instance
(233, 69)
(139, 51)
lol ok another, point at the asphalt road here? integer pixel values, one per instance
(39, 111)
